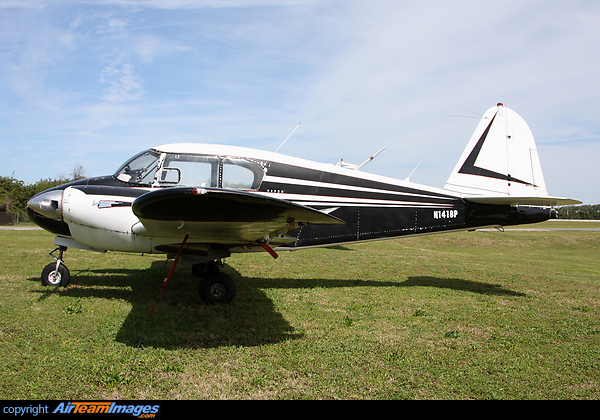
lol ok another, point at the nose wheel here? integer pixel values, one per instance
(56, 274)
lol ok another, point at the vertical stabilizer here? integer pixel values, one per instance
(500, 159)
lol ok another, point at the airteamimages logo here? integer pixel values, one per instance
(91, 408)
(142, 411)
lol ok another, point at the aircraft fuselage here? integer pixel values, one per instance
(97, 212)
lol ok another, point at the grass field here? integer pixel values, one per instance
(473, 315)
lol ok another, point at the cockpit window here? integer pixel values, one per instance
(140, 169)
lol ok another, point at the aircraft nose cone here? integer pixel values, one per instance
(47, 203)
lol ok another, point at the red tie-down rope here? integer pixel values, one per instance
(270, 250)
(170, 272)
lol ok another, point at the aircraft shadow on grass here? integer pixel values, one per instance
(181, 320)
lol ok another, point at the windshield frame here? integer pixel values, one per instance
(132, 172)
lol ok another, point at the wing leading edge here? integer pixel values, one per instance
(215, 215)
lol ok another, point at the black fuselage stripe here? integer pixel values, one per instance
(102, 190)
(322, 177)
(331, 192)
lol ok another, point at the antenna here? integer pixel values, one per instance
(413, 171)
(362, 165)
(277, 150)
(465, 116)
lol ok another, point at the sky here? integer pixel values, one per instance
(93, 82)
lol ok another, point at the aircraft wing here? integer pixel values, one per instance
(215, 215)
(521, 201)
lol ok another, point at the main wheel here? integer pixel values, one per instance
(217, 288)
(51, 278)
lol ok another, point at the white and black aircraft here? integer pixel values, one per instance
(203, 202)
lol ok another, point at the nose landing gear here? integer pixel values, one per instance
(56, 274)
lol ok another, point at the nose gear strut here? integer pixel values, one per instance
(56, 274)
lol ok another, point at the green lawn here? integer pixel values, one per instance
(473, 315)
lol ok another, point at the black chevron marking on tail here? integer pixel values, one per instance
(470, 168)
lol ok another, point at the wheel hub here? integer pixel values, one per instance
(217, 291)
(54, 278)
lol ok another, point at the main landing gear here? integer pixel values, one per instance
(56, 274)
(215, 286)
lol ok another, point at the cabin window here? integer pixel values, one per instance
(210, 171)
(189, 171)
(240, 174)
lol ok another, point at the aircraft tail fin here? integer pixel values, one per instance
(501, 163)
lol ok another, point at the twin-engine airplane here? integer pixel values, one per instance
(203, 202)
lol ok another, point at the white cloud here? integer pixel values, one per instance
(123, 83)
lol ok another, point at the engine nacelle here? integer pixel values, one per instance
(101, 220)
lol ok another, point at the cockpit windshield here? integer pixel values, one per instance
(140, 169)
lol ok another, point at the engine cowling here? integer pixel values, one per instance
(102, 220)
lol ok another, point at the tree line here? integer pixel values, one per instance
(14, 193)
(583, 212)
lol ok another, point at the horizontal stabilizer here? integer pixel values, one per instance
(522, 201)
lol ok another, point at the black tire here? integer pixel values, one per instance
(217, 288)
(49, 277)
